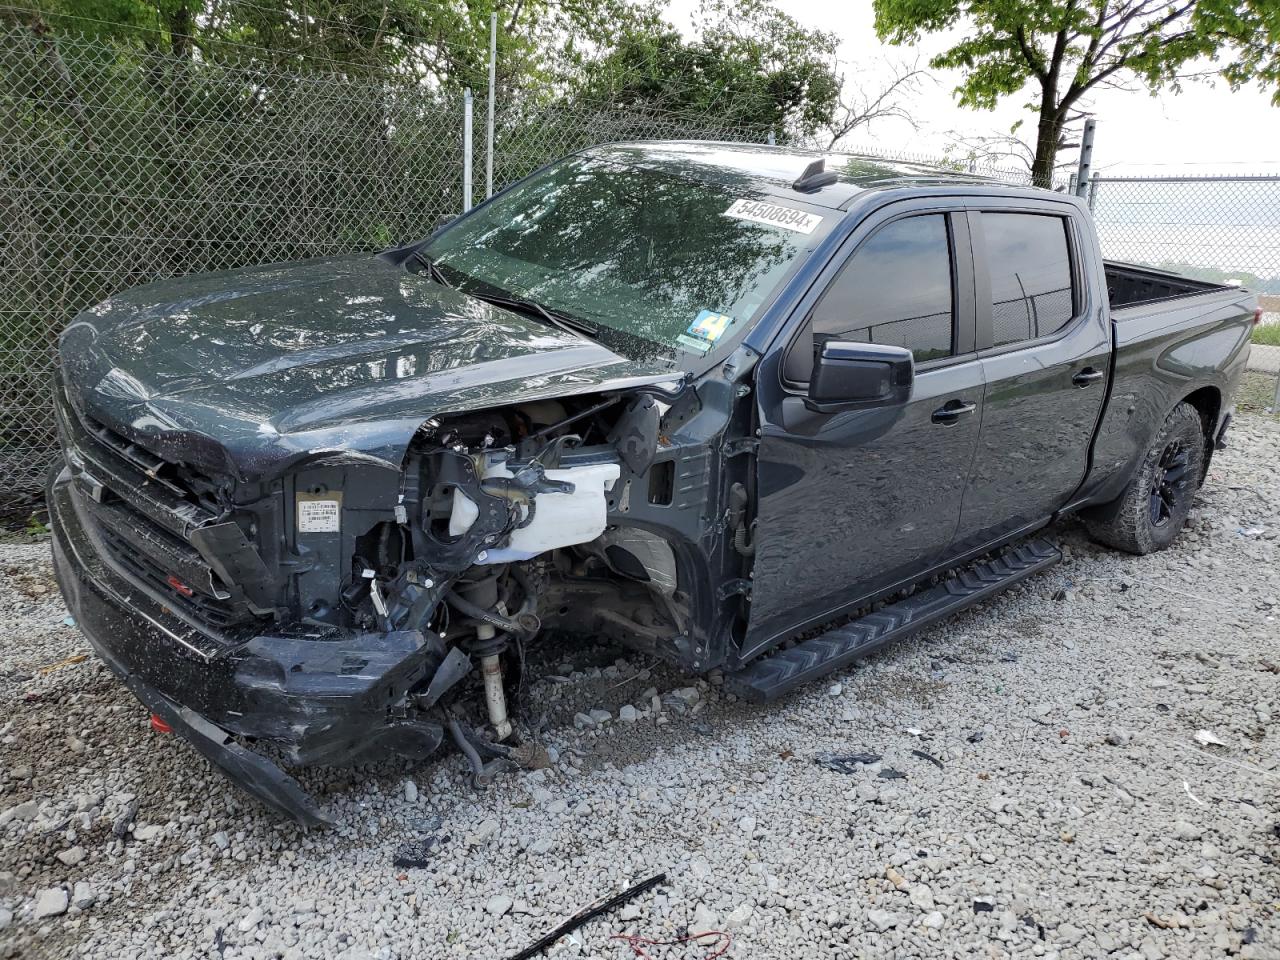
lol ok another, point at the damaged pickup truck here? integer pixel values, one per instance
(737, 407)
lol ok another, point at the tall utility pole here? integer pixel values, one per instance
(1086, 159)
(466, 150)
(493, 72)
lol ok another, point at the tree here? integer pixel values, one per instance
(865, 100)
(750, 65)
(994, 149)
(1064, 49)
(443, 41)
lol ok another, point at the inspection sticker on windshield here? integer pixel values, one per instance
(706, 329)
(788, 218)
(319, 512)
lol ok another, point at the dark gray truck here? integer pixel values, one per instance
(738, 407)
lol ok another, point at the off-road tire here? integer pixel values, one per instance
(1151, 512)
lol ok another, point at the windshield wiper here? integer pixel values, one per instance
(532, 307)
(433, 271)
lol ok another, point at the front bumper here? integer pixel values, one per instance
(320, 695)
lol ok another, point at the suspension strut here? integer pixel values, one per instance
(476, 600)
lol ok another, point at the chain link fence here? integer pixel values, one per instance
(1223, 229)
(526, 138)
(118, 167)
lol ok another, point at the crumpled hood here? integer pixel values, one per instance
(280, 362)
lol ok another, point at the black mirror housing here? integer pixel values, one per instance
(860, 376)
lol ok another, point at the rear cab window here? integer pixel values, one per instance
(1028, 257)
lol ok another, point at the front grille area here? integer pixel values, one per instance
(140, 512)
(221, 616)
(102, 457)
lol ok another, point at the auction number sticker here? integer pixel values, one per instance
(788, 218)
(319, 512)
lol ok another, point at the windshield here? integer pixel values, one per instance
(678, 261)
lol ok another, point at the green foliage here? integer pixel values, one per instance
(444, 42)
(1067, 49)
(750, 65)
(1256, 395)
(1267, 333)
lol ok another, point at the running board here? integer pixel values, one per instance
(776, 674)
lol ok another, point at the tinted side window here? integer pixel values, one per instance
(1030, 266)
(896, 290)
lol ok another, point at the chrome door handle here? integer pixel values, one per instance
(953, 410)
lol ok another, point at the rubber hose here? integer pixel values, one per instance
(467, 608)
(477, 766)
(740, 541)
(522, 578)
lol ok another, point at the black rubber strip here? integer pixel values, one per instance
(590, 913)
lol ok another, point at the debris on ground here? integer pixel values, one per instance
(845, 762)
(64, 662)
(1207, 738)
(923, 755)
(418, 853)
(719, 948)
(587, 914)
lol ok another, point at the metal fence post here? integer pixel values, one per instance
(466, 150)
(493, 71)
(1086, 158)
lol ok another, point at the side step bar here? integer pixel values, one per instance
(772, 676)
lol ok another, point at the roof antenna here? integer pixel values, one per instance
(815, 177)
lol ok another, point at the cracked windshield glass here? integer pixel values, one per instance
(654, 261)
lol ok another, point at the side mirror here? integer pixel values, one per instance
(859, 376)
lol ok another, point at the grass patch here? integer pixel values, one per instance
(1267, 333)
(1257, 393)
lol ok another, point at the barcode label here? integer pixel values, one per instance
(319, 515)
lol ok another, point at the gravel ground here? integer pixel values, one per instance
(1070, 812)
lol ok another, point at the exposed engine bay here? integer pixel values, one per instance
(511, 522)
(504, 515)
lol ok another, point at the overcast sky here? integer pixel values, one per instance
(1205, 129)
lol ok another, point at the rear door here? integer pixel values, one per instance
(1044, 342)
(852, 502)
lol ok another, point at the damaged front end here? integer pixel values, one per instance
(347, 608)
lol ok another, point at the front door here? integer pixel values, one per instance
(851, 503)
(1045, 348)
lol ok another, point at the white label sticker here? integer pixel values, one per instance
(319, 515)
(788, 218)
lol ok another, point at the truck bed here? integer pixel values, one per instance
(1168, 332)
(1130, 285)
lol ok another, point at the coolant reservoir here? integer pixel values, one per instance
(559, 519)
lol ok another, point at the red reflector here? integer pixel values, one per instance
(1257, 316)
(159, 726)
(178, 585)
